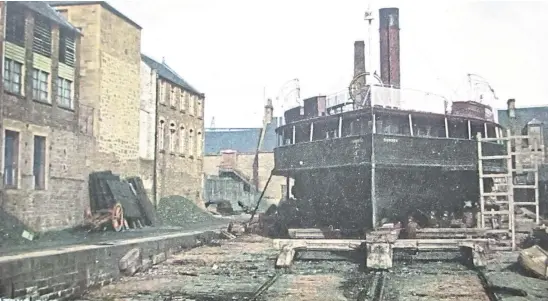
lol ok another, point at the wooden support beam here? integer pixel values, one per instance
(318, 244)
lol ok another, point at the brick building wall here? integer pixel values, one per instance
(44, 153)
(111, 59)
(179, 109)
(244, 162)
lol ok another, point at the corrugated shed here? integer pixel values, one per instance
(242, 140)
(169, 74)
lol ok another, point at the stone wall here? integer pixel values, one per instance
(180, 156)
(65, 274)
(61, 202)
(245, 165)
(111, 60)
(147, 116)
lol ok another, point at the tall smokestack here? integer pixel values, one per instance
(359, 59)
(389, 32)
(359, 68)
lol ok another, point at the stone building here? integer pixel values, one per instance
(44, 142)
(110, 84)
(238, 146)
(175, 109)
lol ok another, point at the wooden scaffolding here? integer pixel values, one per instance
(521, 166)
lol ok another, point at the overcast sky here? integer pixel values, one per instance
(233, 50)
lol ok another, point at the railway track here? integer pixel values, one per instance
(453, 281)
(266, 285)
(375, 289)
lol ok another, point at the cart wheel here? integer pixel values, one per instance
(117, 218)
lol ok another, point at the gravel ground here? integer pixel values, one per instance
(175, 214)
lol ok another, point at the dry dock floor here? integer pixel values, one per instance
(236, 269)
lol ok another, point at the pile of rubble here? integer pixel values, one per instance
(182, 212)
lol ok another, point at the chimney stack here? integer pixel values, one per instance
(359, 68)
(359, 59)
(511, 105)
(268, 111)
(389, 34)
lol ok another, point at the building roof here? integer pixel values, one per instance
(42, 8)
(104, 4)
(538, 115)
(169, 74)
(242, 140)
(525, 115)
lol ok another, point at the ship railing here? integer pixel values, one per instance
(389, 97)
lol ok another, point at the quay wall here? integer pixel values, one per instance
(65, 273)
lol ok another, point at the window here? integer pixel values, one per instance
(199, 109)
(182, 138)
(39, 166)
(64, 93)
(15, 24)
(42, 36)
(187, 100)
(191, 106)
(11, 159)
(172, 134)
(67, 47)
(13, 76)
(161, 134)
(162, 91)
(182, 100)
(40, 88)
(172, 97)
(191, 142)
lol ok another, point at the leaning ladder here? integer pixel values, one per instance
(509, 204)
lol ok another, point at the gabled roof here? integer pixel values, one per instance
(169, 74)
(242, 140)
(525, 115)
(42, 8)
(104, 4)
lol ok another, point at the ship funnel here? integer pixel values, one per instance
(389, 35)
(359, 59)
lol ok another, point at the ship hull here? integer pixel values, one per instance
(355, 182)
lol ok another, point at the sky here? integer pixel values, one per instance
(238, 52)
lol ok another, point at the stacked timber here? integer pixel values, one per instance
(147, 209)
(117, 203)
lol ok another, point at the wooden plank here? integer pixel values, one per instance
(353, 244)
(452, 230)
(318, 244)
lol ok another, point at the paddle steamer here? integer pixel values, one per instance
(377, 150)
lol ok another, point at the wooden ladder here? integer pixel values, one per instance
(504, 198)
